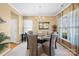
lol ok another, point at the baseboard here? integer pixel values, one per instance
(69, 49)
(5, 52)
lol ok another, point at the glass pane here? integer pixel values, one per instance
(28, 25)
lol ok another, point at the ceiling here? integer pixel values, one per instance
(39, 9)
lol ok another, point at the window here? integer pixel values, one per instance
(69, 29)
(28, 25)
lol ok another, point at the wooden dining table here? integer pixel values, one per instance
(44, 38)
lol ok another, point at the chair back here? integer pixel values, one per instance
(32, 39)
(51, 45)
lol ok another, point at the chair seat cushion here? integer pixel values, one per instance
(46, 44)
(40, 50)
(39, 45)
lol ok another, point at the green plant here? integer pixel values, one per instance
(3, 37)
(2, 46)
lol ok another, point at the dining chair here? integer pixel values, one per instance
(35, 49)
(48, 47)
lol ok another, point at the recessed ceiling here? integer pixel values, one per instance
(39, 9)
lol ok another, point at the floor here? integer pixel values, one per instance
(61, 51)
(20, 50)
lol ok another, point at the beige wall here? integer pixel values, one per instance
(51, 19)
(6, 12)
(19, 22)
(20, 27)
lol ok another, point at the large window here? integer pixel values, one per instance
(28, 25)
(69, 29)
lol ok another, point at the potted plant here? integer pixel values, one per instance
(2, 38)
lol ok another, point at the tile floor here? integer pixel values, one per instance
(61, 51)
(20, 50)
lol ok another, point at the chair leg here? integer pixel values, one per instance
(55, 46)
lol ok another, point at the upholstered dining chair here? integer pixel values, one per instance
(48, 47)
(35, 49)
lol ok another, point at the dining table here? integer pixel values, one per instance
(42, 39)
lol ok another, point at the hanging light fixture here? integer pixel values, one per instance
(1, 20)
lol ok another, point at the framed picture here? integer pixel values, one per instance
(43, 25)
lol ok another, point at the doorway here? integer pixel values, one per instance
(13, 25)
